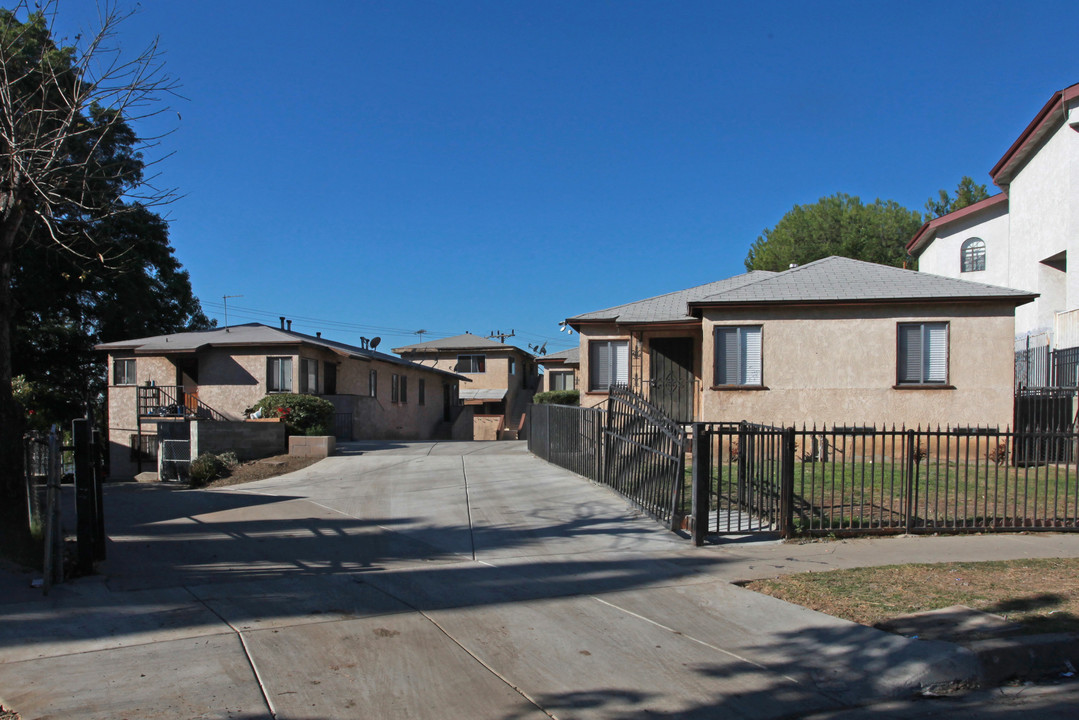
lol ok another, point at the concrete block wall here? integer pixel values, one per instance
(249, 440)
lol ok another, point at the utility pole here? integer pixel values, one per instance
(500, 335)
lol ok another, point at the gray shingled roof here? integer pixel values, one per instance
(832, 279)
(468, 341)
(563, 357)
(670, 307)
(840, 279)
(251, 334)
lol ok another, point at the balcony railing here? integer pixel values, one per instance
(171, 402)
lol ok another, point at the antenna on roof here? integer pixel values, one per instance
(375, 341)
(225, 299)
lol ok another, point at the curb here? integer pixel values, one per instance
(1004, 659)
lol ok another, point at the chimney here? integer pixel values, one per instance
(282, 322)
(289, 325)
(318, 334)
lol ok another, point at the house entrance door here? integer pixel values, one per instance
(671, 379)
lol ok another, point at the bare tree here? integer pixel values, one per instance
(68, 157)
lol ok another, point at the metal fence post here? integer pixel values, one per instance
(702, 483)
(786, 485)
(99, 499)
(84, 494)
(908, 505)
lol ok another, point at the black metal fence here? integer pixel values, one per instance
(49, 462)
(570, 437)
(644, 456)
(1045, 367)
(867, 480)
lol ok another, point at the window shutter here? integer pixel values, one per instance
(909, 358)
(936, 355)
(751, 355)
(620, 371)
(727, 356)
(600, 369)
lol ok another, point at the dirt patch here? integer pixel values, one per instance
(1040, 595)
(262, 469)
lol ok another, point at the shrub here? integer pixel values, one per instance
(208, 467)
(303, 414)
(558, 397)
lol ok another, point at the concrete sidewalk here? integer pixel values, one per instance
(450, 580)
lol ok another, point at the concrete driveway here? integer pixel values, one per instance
(448, 580)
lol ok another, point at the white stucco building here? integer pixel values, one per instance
(1022, 237)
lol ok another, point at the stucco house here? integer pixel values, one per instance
(1022, 237)
(503, 377)
(836, 342)
(157, 385)
(560, 370)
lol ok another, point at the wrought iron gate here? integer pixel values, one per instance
(742, 478)
(671, 380)
(644, 456)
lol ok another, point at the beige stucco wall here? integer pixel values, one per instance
(838, 366)
(485, 427)
(639, 338)
(495, 376)
(379, 418)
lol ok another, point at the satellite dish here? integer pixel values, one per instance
(543, 348)
(375, 341)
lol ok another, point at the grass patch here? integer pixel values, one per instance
(1041, 595)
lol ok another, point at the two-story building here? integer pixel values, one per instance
(503, 377)
(1023, 236)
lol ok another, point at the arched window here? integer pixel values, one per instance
(973, 255)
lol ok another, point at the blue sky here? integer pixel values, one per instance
(380, 168)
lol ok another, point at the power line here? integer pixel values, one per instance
(358, 328)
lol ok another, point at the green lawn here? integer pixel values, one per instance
(864, 494)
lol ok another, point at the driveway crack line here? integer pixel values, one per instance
(736, 656)
(489, 669)
(468, 509)
(247, 653)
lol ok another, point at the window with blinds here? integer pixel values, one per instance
(738, 355)
(278, 374)
(922, 354)
(308, 376)
(608, 364)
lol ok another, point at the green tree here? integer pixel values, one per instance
(69, 162)
(63, 309)
(967, 192)
(841, 225)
